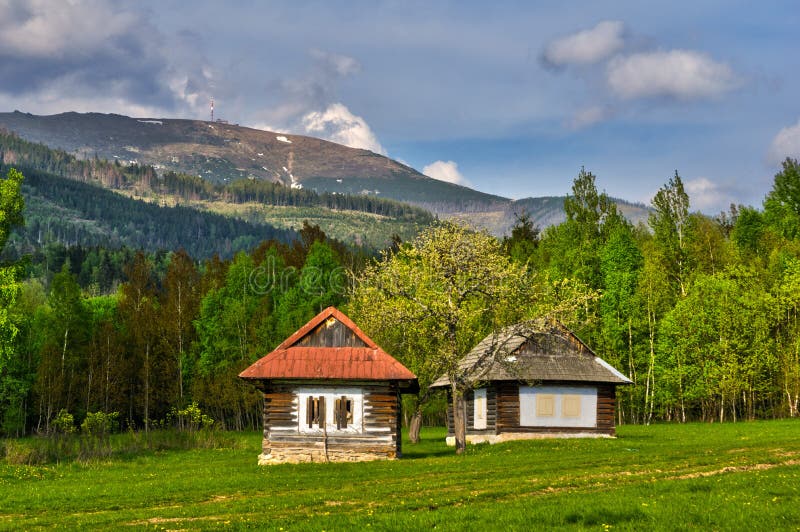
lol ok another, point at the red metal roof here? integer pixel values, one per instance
(288, 361)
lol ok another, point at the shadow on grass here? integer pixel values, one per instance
(412, 453)
(602, 517)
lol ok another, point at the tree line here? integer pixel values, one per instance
(700, 312)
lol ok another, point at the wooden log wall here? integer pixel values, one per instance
(507, 406)
(503, 410)
(379, 438)
(606, 405)
(508, 409)
(491, 411)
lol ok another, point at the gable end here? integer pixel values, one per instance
(330, 333)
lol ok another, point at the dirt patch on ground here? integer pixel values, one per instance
(735, 469)
(165, 520)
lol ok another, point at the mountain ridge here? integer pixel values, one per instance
(222, 153)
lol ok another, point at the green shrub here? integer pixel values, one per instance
(63, 423)
(189, 419)
(100, 424)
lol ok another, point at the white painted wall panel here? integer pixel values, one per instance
(586, 396)
(479, 412)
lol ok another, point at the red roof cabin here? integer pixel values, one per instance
(330, 395)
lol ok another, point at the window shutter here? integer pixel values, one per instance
(321, 411)
(310, 411)
(343, 412)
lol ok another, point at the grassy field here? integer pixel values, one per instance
(730, 476)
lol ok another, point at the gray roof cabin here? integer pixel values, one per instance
(536, 380)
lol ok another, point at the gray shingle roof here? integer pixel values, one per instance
(535, 352)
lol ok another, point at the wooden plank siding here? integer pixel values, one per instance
(503, 411)
(606, 406)
(331, 333)
(380, 434)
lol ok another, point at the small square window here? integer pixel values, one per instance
(545, 405)
(571, 406)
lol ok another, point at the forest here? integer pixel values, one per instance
(68, 212)
(700, 312)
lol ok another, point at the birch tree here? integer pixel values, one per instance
(670, 224)
(138, 310)
(180, 302)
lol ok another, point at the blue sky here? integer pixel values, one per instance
(511, 98)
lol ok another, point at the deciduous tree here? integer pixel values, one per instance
(432, 301)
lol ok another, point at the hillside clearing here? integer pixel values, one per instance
(729, 476)
(349, 226)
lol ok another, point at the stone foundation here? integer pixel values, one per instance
(510, 436)
(301, 455)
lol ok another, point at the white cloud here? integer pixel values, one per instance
(338, 124)
(587, 46)
(684, 74)
(708, 196)
(785, 144)
(53, 101)
(445, 171)
(590, 116)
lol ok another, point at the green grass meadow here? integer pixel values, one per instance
(742, 476)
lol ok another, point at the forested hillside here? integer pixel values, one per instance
(174, 331)
(353, 217)
(61, 210)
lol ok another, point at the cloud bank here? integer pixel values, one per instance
(683, 74)
(587, 46)
(707, 196)
(94, 53)
(445, 171)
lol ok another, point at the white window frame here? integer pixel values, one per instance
(356, 395)
(480, 408)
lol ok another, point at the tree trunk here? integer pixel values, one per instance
(459, 421)
(147, 389)
(414, 426)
